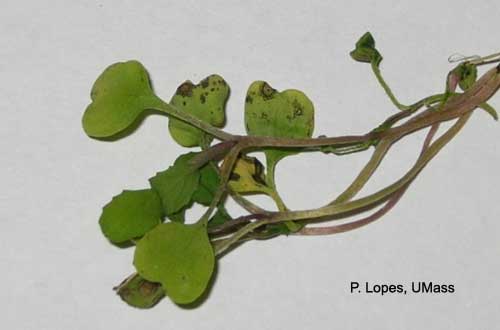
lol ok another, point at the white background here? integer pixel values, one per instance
(57, 270)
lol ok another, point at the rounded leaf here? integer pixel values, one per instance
(288, 114)
(130, 215)
(120, 94)
(278, 114)
(205, 101)
(178, 256)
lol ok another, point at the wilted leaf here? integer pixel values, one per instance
(140, 293)
(467, 75)
(365, 50)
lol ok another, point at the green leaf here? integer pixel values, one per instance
(176, 185)
(287, 114)
(178, 256)
(209, 183)
(205, 101)
(119, 95)
(365, 50)
(140, 293)
(130, 215)
(467, 75)
(248, 176)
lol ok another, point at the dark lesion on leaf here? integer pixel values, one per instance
(186, 89)
(204, 83)
(267, 91)
(258, 176)
(203, 98)
(146, 288)
(248, 99)
(298, 110)
(234, 176)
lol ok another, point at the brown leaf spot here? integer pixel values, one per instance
(204, 83)
(267, 91)
(186, 89)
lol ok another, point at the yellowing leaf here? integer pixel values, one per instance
(248, 176)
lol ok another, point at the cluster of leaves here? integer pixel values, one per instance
(180, 256)
(173, 258)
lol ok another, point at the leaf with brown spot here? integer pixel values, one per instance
(139, 292)
(205, 101)
(287, 114)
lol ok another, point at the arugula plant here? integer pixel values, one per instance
(177, 260)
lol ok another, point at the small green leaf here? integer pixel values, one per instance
(130, 215)
(287, 114)
(467, 75)
(365, 50)
(248, 176)
(178, 256)
(209, 183)
(205, 101)
(140, 293)
(120, 94)
(176, 185)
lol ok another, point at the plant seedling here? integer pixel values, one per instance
(176, 259)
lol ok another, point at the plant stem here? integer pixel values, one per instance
(173, 111)
(329, 230)
(373, 199)
(361, 203)
(387, 89)
(366, 172)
